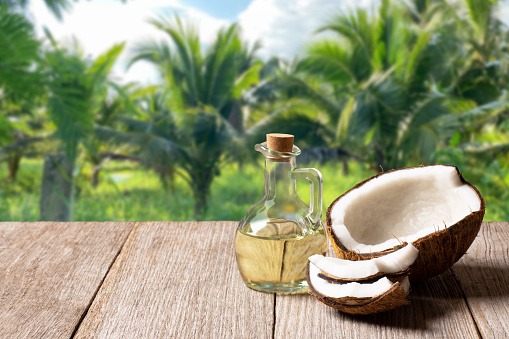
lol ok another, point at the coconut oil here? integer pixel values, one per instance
(277, 235)
(275, 260)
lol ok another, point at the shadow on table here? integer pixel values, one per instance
(438, 297)
(442, 297)
(483, 281)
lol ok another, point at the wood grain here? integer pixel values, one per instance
(50, 272)
(483, 274)
(178, 280)
(437, 310)
(181, 280)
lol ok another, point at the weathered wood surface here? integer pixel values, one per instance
(178, 280)
(483, 274)
(50, 272)
(437, 310)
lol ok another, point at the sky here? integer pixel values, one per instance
(283, 26)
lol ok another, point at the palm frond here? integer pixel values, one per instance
(76, 92)
(331, 61)
(18, 52)
(247, 79)
(21, 144)
(357, 28)
(480, 13)
(187, 43)
(157, 53)
(103, 64)
(58, 7)
(318, 97)
(222, 66)
(307, 131)
(152, 149)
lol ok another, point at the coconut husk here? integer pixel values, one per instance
(438, 251)
(394, 297)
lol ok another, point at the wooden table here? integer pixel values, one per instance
(179, 279)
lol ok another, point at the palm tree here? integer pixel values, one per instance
(203, 91)
(77, 88)
(386, 84)
(191, 144)
(195, 77)
(480, 72)
(481, 38)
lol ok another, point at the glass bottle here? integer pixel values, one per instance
(278, 234)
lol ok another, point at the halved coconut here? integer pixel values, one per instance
(394, 266)
(432, 207)
(355, 298)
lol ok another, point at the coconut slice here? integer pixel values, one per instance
(432, 207)
(394, 265)
(355, 298)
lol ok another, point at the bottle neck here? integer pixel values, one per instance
(278, 178)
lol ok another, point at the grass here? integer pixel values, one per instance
(129, 192)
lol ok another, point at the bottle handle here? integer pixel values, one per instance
(316, 187)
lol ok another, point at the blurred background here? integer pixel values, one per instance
(149, 110)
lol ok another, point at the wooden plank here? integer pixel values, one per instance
(483, 275)
(437, 310)
(50, 272)
(178, 280)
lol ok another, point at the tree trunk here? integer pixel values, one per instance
(57, 189)
(346, 170)
(198, 209)
(200, 202)
(171, 177)
(167, 178)
(163, 178)
(236, 118)
(13, 162)
(95, 175)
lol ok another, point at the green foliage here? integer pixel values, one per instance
(202, 109)
(20, 88)
(394, 91)
(76, 89)
(191, 144)
(57, 7)
(415, 82)
(196, 78)
(69, 102)
(18, 52)
(128, 192)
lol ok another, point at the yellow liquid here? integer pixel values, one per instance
(275, 261)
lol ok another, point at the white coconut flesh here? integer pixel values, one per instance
(353, 289)
(394, 262)
(402, 206)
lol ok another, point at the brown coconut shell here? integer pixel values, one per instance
(366, 280)
(390, 299)
(438, 251)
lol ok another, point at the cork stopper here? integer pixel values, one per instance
(280, 142)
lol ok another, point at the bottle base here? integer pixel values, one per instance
(294, 288)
